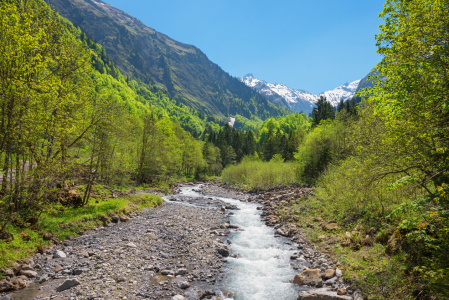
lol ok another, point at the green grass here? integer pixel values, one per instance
(65, 222)
(260, 175)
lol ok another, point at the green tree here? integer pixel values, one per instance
(322, 111)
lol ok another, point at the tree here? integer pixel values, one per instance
(412, 109)
(322, 111)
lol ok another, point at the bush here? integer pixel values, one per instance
(257, 174)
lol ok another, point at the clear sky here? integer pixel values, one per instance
(315, 45)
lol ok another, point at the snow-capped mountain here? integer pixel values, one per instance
(299, 100)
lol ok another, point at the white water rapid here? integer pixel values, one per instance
(262, 270)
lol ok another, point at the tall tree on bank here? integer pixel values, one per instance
(322, 111)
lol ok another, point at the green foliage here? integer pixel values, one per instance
(254, 174)
(323, 110)
(328, 142)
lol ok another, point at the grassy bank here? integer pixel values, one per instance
(65, 222)
(252, 174)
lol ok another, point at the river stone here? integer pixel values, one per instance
(309, 277)
(151, 236)
(223, 252)
(131, 245)
(331, 281)
(6, 286)
(167, 272)
(338, 272)
(69, 283)
(178, 297)
(183, 284)
(329, 273)
(123, 218)
(85, 254)
(77, 272)
(181, 272)
(321, 294)
(58, 268)
(29, 273)
(9, 272)
(341, 292)
(59, 254)
(27, 267)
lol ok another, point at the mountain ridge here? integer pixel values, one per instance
(298, 99)
(183, 71)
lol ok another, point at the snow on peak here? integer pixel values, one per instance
(295, 96)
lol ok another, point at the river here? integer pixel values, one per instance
(262, 268)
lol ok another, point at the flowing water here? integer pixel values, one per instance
(262, 270)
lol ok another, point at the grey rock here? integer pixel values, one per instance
(183, 284)
(331, 281)
(181, 272)
(69, 283)
(77, 272)
(29, 273)
(167, 272)
(59, 254)
(321, 294)
(223, 252)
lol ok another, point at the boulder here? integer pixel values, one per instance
(123, 218)
(6, 286)
(9, 272)
(329, 273)
(309, 277)
(181, 272)
(47, 236)
(394, 243)
(341, 292)
(331, 226)
(20, 282)
(69, 283)
(178, 297)
(321, 294)
(59, 254)
(26, 267)
(183, 284)
(223, 252)
(115, 218)
(29, 273)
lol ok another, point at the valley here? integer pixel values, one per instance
(134, 167)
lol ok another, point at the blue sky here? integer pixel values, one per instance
(314, 45)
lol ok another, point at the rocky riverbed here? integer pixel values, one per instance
(178, 251)
(167, 252)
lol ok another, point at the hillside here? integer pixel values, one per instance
(182, 71)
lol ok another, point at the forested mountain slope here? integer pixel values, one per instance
(182, 70)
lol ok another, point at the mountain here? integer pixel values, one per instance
(180, 70)
(298, 100)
